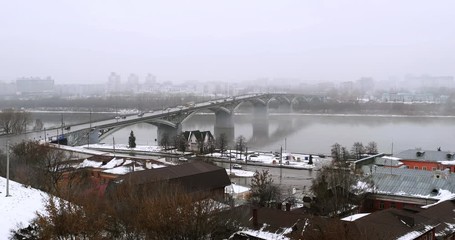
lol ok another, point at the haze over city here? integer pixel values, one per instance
(312, 41)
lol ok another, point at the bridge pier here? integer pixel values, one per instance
(224, 124)
(167, 133)
(284, 107)
(260, 122)
(93, 135)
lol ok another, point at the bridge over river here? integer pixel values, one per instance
(169, 120)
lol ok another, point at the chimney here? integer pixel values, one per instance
(255, 218)
(288, 207)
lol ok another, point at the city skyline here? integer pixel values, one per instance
(82, 42)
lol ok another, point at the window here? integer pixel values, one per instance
(424, 168)
(381, 205)
(417, 168)
(392, 205)
(433, 169)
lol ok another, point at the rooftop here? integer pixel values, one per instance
(426, 155)
(412, 183)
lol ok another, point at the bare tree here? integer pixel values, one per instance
(371, 148)
(167, 212)
(222, 143)
(12, 121)
(357, 150)
(336, 152)
(180, 142)
(165, 141)
(263, 191)
(337, 189)
(39, 165)
(240, 144)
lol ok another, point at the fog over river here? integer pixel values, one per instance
(301, 132)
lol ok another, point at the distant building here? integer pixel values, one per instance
(412, 98)
(365, 84)
(429, 160)
(25, 86)
(114, 83)
(132, 83)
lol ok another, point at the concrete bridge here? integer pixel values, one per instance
(169, 121)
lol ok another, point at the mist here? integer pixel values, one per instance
(312, 41)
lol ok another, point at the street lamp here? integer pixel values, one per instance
(7, 169)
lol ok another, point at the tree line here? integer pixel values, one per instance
(14, 121)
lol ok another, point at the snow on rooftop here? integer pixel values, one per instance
(354, 217)
(263, 234)
(240, 173)
(443, 195)
(234, 188)
(20, 208)
(447, 162)
(89, 163)
(415, 234)
(391, 158)
(116, 162)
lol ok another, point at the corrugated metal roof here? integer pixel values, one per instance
(426, 155)
(409, 182)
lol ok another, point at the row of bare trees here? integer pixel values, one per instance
(39, 165)
(13, 121)
(167, 213)
(341, 153)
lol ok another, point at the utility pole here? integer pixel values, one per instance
(246, 157)
(230, 161)
(7, 169)
(90, 130)
(281, 160)
(58, 139)
(113, 144)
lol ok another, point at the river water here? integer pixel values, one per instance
(301, 132)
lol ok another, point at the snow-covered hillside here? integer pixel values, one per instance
(19, 208)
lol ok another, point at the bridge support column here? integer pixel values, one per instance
(93, 135)
(260, 122)
(224, 124)
(167, 133)
(284, 107)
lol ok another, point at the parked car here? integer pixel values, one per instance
(183, 159)
(237, 166)
(140, 114)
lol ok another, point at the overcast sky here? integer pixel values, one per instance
(233, 40)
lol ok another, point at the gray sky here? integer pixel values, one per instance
(232, 40)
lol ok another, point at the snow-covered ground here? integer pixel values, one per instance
(118, 165)
(19, 208)
(240, 173)
(124, 147)
(292, 160)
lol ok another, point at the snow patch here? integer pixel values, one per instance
(18, 209)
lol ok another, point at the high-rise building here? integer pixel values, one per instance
(34, 85)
